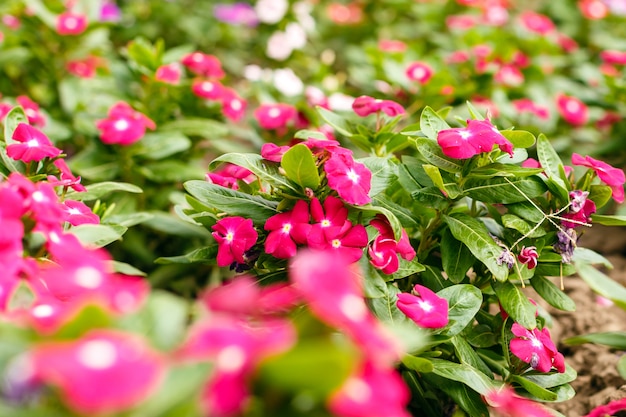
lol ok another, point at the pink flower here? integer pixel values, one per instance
(426, 309)
(580, 210)
(613, 177)
(384, 250)
(479, 136)
(593, 9)
(351, 179)
(233, 106)
(33, 145)
(78, 213)
(169, 73)
(419, 71)
(536, 348)
(207, 89)
(275, 115)
(273, 152)
(236, 14)
(528, 256)
(110, 12)
(609, 409)
(83, 68)
(105, 371)
(527, 105)
(229, 175)
(66, 178)
(509, 75)
(123, 125)
(204, 65)
(365, 105)
(506, 404)
(572, 110)
(281, 241)
(371, 392)
(613, 57)
(69, 23)
(536, 22)
(234, 236)
(392, 45)
(31, 109)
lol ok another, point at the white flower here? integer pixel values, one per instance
(340, 102)
(296, 35)
(271, 11)
(278, 46)
(287, 82)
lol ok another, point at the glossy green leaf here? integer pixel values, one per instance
(404, 215)
(207, 254)
(464, 301)
(431, 197)
(602, 283)
(621, 366)
(456, 258)
(265, 170)
(384, 174)
(13, 118)
(475, 236)
(534, 389)
(466, 374)
(552, 164)
(600, 194)
(126, 269)
(608, 220)
(205, 128)
(515, 303)
(417, 364)
(339, 123)
(233, 202)
(553, 379)
(591, 257)
(503, 170)
(511, 221)
(614, 340)
(98, 235)
(98, 190)
(467, 355)
(391, 217)
(159, 145)
(433, 154)
(473, 111)
(500, 190)
(431, 123)
(519, 138)
(299, 165)
(552, 294)
(385, 307)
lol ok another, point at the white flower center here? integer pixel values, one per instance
(231, 359)
(273, 113)
(88, 277)
(229, 236)
(121, 124)
(419, 73)
(325, 223)
(425, 305)
(32, 143)
(42, 310)
(336, 243)
(71, 23)
(97, 354)
(572, 106)
(353, 307)
(286, 228)
(465, 134)
(236, 105)
(358, 390)
(38, 196)
(354, 177)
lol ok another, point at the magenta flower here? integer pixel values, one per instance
(103, 372)
(229, 175)
(426, 309)
(506, 403)
(273, 152)
(527, 105)
(233, 106)
(609, 409)
(536, 22)
(169, 73)
(536, 348)
(351, 179)
(203, 64)
(611, 176)
(528, 256)
(70, 23)
(31, 109)
(365, 105)
(33, 145)
(83, 68)
(580, 209)
(77, 212)
(236, 14)
(419, 71)
(208, 89)
(384, 250)
(110, 12)
(275, 115)
(66, 178)
(123, 125)
(281, 241)
(234, 236)
(373, 391)
(478, 137)
(572, 110)
(613, 57)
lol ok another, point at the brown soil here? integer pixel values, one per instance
(598, 381)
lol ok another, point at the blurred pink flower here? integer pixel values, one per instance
(203, 64)
(426, 309)
(609, 409)
(124, 125)
(169, 73)
(273, 152)
(351, 179)
(275, 115)
(479, 136)
(536, 22)
(236, 14)
(35, 117)
(66, 178)
(366, 105)
(611, 176)
(391, 45)
(419, 71)
(70, 23)
(234, 236)
(572, 109)
(233, 106)
(536, 348)
(281, 241)
(103, 372)
(33, 145)
(613, 57)
(207, 89)
(593, 9)
(77, 213)
(83, 68)
(527, 105)
(506, 404)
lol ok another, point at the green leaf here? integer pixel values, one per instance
(466, 374)
(526, 211)
(384, 173)
(128, 219)
(608, 220)
(159, 145)
(621, 366)
(171, 170)
(431, 123)
(433, 154)
(406, 268)
(233, 202)
(126, 269)
(144, 54)
(90, 316)
(163, 319)
(205, 128)
(591, 257)
(456, 258)
(534, 389)
(435, 175)
(519, 138)
(515, 303)
(13, 118)
(466, 354)
(172, 225)
(98, 235)
(602, 283)
(500, 190)
(551, 163)
(600, 194)
(552, 294)
(473, 111)
(403, 214)
(511, 221)
(431, 197)
(101, 189)
(391, 217)
(468, 399)
(385, 307)
(206, 254)
(266, 171)
(614, 340)
(475, 236)
(553, 379)
(299, 165)
(417, 364)
(464, 301)
(337, 122)
(503, 170)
